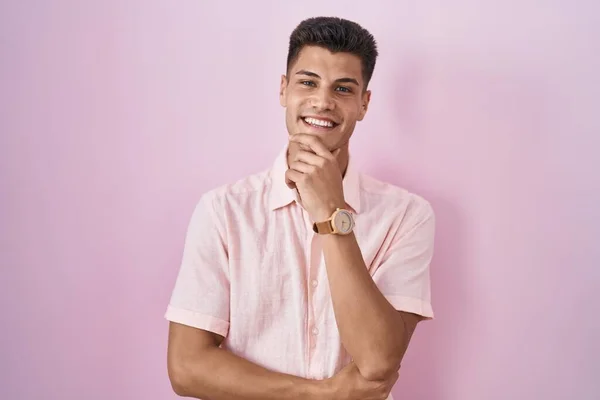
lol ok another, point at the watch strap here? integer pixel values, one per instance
(324, 227)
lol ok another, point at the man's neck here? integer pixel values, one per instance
(342, 159)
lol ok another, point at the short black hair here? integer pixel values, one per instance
(336, 35)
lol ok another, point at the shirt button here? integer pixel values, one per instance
(314, 283)
(315, 331)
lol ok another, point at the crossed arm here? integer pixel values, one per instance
(199, 368)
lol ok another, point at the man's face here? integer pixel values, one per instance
(324, 95)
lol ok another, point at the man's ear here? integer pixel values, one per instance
(366, 98)
(282, 91)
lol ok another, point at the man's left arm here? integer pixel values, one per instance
(372, 329)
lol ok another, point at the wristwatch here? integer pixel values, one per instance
(341, 222)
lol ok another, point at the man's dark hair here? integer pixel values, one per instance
(336, 35)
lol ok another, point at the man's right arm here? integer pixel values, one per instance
(199, 368)
(198, 315)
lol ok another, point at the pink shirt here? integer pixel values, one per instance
(253, 269)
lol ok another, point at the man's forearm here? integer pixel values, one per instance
(221, 375)
(371, 330)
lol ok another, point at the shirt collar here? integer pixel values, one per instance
(281, 195)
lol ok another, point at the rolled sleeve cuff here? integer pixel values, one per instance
(196, 320)
(411, 305)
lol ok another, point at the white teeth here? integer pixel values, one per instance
(318, 122)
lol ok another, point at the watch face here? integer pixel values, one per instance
(343, 222)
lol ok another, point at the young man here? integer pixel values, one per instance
(305, 281)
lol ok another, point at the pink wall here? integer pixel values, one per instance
(116, 115)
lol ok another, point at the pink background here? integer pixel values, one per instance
(115, 116)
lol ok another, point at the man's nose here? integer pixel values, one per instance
(323, 100)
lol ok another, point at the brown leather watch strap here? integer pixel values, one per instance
(323, 227)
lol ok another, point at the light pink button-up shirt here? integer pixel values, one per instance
(253, 269)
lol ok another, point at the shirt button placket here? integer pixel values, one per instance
(314, 269)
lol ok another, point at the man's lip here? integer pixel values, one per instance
(319, 118)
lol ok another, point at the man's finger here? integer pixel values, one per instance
(290, 184)
(303, 167)
(313, 143)
(293, 176)
(309, 158)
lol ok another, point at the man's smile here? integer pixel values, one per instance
(319, 123)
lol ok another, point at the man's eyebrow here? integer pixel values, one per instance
(340, 80)
(347, 80)
(307, 73)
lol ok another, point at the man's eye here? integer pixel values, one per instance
(307, 83)
(343, 89)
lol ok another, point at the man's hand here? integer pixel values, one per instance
(315, 172)
(349, 384)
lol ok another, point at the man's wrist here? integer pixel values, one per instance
(326, 213)
(321, 390)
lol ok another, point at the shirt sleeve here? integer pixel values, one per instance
(200, 297)
(403, 273)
